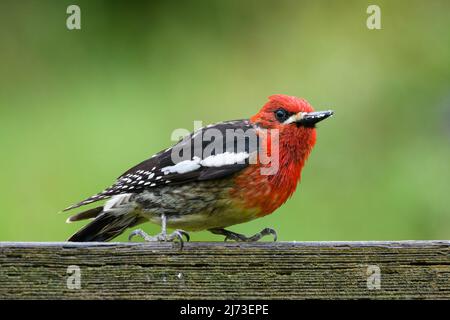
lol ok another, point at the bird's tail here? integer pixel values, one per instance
(105, 226)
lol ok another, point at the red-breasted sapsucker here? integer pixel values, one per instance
(220, 175)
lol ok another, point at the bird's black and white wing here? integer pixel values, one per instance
(212, 152)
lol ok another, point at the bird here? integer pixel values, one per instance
(218, 176)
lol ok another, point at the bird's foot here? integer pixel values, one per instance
(229, 235)
(161, 237)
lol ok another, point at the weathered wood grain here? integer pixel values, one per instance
(284, 270)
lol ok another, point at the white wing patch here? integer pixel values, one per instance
(183, 166)
(218, 160)
(224, 159)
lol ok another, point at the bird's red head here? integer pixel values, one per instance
(278, 109)
(287, 112)
(294, 120)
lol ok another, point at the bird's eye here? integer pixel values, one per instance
(281, 115)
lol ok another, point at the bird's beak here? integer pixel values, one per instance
(309, 119)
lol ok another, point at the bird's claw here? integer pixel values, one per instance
(142, 234)
(183, 233)
(161, 237)
(242, 238)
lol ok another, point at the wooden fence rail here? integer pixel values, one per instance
(204, 270)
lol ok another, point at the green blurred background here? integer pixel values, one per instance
(78, 108)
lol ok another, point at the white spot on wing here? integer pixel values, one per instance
(183, 166)
(223, 159)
